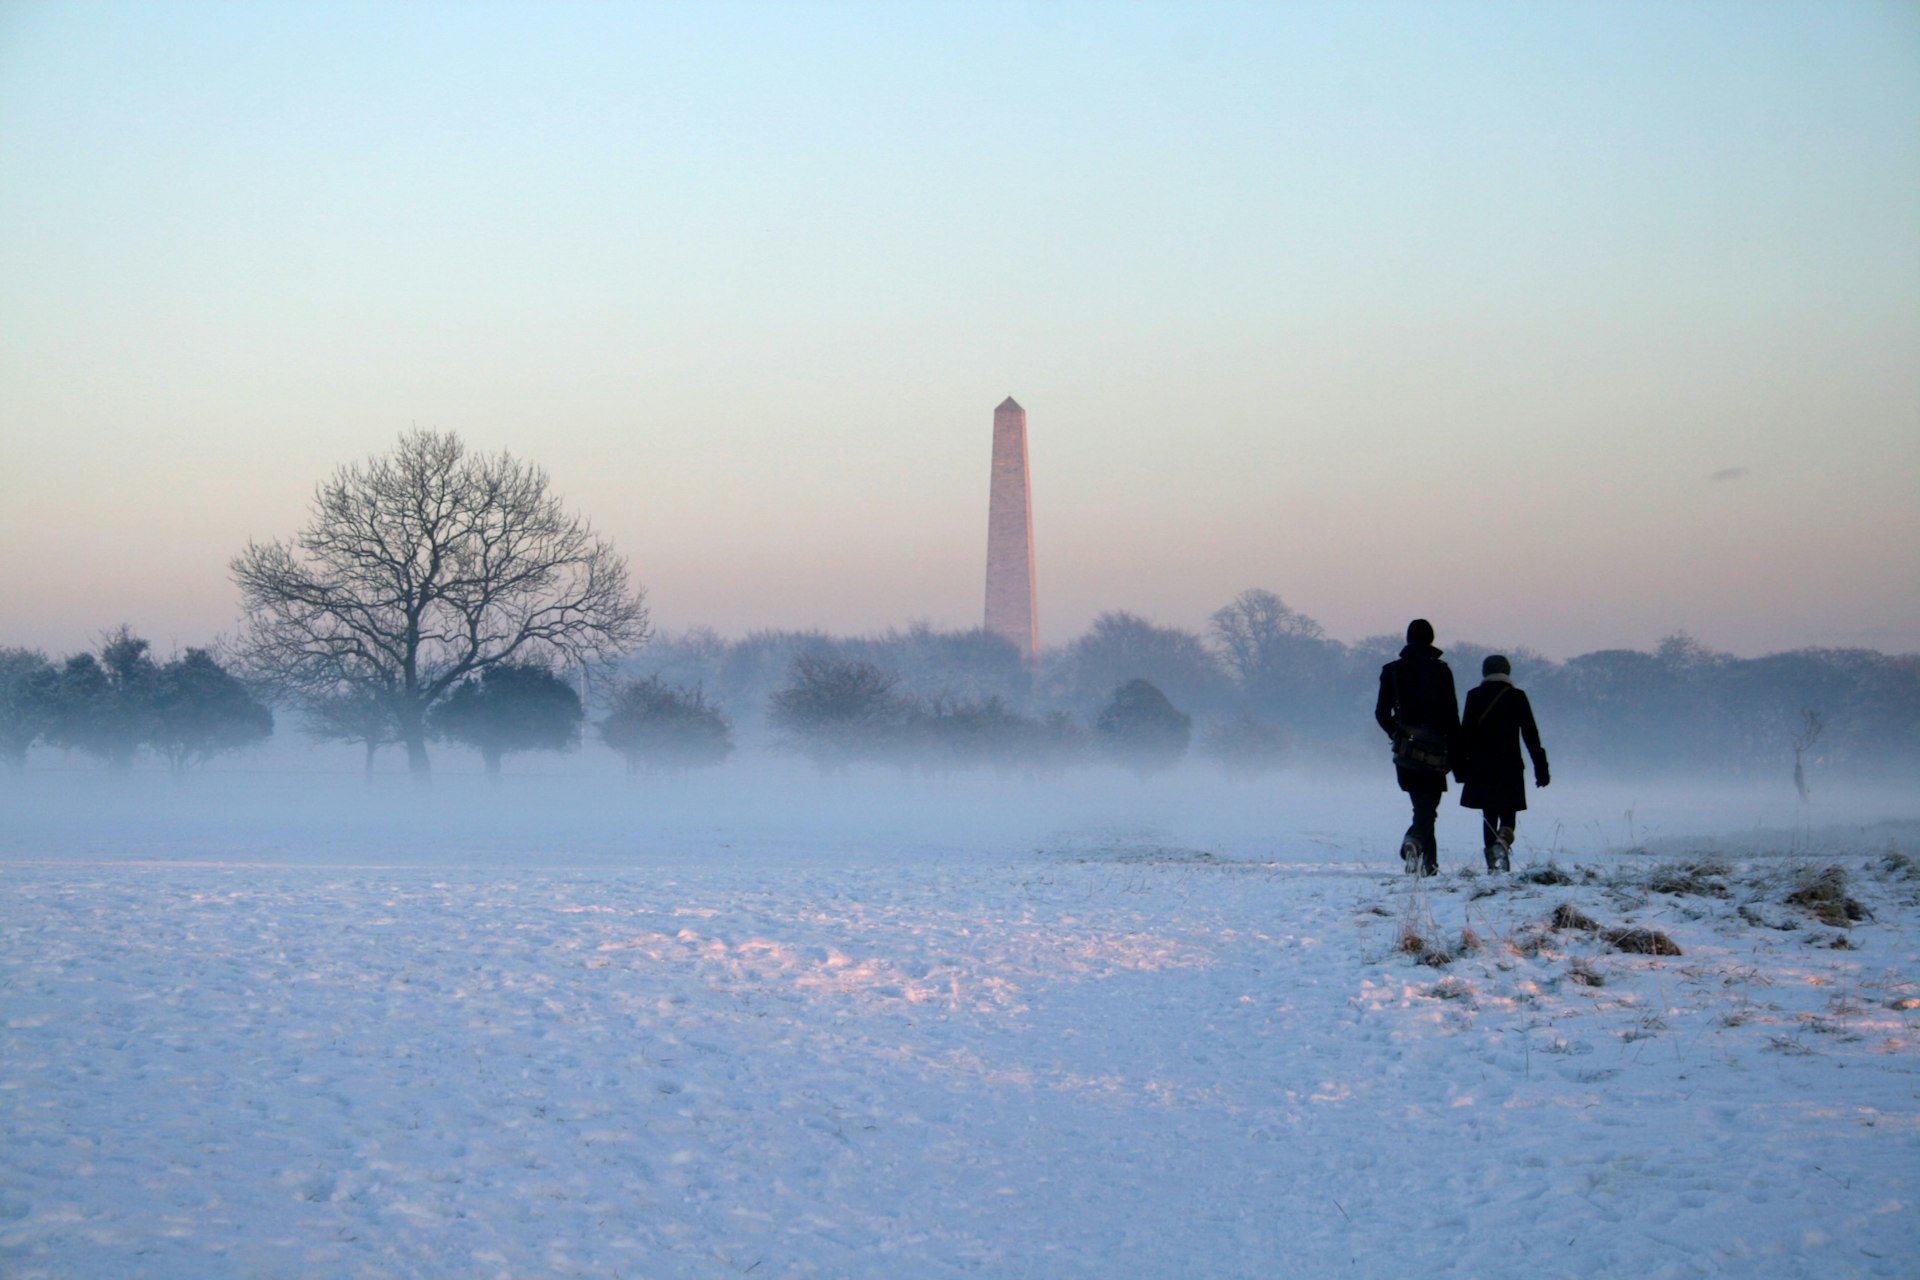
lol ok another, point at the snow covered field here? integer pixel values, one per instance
(780, 1027)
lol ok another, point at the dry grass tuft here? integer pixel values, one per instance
(1568, 916)
(1528, 942)
(1643, 942)
(1646, 942)
(1824, 894)
(1549, 873)
(1583, 972)
(1703, 877)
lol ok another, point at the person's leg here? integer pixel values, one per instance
(1499, 825)
(1412, 853)
(1426, 809)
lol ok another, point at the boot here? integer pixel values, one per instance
(1503, 846)
(1410, 854)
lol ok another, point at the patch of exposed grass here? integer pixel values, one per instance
(1702, 877)
(1642, 942)
(1568, 916)
(1638, 941)
(1582, 971)
(1823, 893)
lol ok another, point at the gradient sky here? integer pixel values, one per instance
(1565, 325)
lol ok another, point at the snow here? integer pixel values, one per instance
(884, 1027)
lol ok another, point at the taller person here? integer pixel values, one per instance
(1420, 712)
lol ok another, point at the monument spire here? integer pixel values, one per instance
(1011, 594)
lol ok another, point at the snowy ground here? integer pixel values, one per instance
(903, 1030)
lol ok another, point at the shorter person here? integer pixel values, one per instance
(1497, 719)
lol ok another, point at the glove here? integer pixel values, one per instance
(1541, 778)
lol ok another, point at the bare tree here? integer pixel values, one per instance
(1257, 631)
(1122, 646)
(424, 566)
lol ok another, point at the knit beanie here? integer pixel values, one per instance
(1496, 664)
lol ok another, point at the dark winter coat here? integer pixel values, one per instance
(1416, 691)
(1497, 720)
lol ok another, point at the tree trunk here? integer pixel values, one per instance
(372, 747)
(417, 763)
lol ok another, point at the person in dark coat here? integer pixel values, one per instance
(1419, 712)
(1497, 720)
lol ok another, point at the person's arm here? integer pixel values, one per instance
(1530, 734)
(1463, 744)
(1384, 712)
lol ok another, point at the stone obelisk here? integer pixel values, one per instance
(1010, 585)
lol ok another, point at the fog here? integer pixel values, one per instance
(1256, 740)
(299, 804)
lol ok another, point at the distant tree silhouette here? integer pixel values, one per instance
(510, 707)
(696, 658)
(422, 568)
(200, 710)
(1281, 660)
(1142, 730)
(1121, 646)
(116, 703)
(105, 705)
(1256, 629)
(972, 732)
(350, 714)
(839, 710)
(26, 711)
(971, 666)
(657, 725)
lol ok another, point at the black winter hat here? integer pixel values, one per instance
(1495, 664)
(1419, 631)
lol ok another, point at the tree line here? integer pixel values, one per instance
(436, 594)
(1259, 689)
(1263, 685)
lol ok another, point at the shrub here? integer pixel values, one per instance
(26, 677)
(838, 710)
(1142, 730)
(657, 725)
(509, 708)
(200, 710)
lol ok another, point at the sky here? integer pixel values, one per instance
(1567, 326)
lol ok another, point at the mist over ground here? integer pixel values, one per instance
(585, 811)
